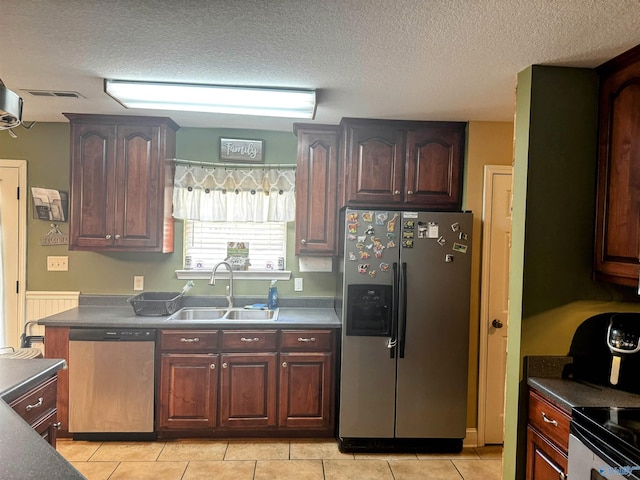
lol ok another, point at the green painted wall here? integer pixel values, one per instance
(551, 285)
(46, 149)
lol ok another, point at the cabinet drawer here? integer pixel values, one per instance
(189, 340)
(248, 340)
(549, 420)
(306, 340)
(37, 402)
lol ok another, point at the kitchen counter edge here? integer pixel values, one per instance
(31, 456)
(568, 393)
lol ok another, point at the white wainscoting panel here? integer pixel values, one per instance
(42, 304)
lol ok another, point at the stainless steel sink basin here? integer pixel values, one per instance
(212, 314)
(198, 313)
(247, 314)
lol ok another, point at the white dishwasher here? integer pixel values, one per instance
(111, 383)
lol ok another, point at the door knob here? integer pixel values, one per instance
(496, 323)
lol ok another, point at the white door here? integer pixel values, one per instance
(13, 229)
(496, 240)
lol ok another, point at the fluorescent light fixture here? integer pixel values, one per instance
(272, 102)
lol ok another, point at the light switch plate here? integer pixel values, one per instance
(57, 264)
(297, 284)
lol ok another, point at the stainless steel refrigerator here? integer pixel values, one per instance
(403, 297)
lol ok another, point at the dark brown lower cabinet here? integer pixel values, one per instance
(544, 460)
(248, 390)
(305, 390)
(38, 408)
(188, 391)
(547, 439)
(246, 382)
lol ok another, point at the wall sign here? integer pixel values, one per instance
(239, 150)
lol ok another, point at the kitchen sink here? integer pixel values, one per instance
(212, 314)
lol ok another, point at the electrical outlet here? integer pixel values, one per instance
(138, 282)
(297, 284)
(57, 264)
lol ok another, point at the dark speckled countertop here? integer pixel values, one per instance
(24, 454)
(118, 313)
(544, 374)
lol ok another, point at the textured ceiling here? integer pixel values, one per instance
(411, 59)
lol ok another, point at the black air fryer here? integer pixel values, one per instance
(604, 350)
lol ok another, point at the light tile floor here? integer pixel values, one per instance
(199, 459)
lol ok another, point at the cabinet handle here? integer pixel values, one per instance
(108, 237)
(303, 241)
(305, 340)
(190, 340)
(225, 365)
(548, 420)
(35, 405)
(410, 192)
(396, 192)
(284, 364)
(212, 366)
(57, 425)
(250, 340)
(118, 236)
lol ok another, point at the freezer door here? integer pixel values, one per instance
(367, 388)
(432, 365)
(368, 371)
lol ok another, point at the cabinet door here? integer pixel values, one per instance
(137, 184)
(188, 391)
(248, 390)
(93, 158)
(544, 461)
(305, 393)
(617, 242)
(316, 190)
(375, 163)
(47, 427)
(433, 173)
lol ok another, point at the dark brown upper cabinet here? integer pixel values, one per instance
(121, 183)
(617, 242)
(402, 164)
(316, 189)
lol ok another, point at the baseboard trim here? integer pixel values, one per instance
(471, 439)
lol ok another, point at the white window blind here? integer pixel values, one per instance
(206, 242)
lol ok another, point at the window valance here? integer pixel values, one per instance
(219, 194)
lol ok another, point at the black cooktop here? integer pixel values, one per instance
(614, 432)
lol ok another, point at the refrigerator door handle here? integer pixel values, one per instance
(393, 341)
(402, 313)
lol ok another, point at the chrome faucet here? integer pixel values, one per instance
(212, 281)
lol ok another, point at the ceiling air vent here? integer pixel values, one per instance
(54, 93)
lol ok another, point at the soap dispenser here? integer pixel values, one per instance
(272, 300)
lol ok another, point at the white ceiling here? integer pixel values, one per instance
(409, 59)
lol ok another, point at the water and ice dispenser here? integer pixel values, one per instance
(369, 310)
